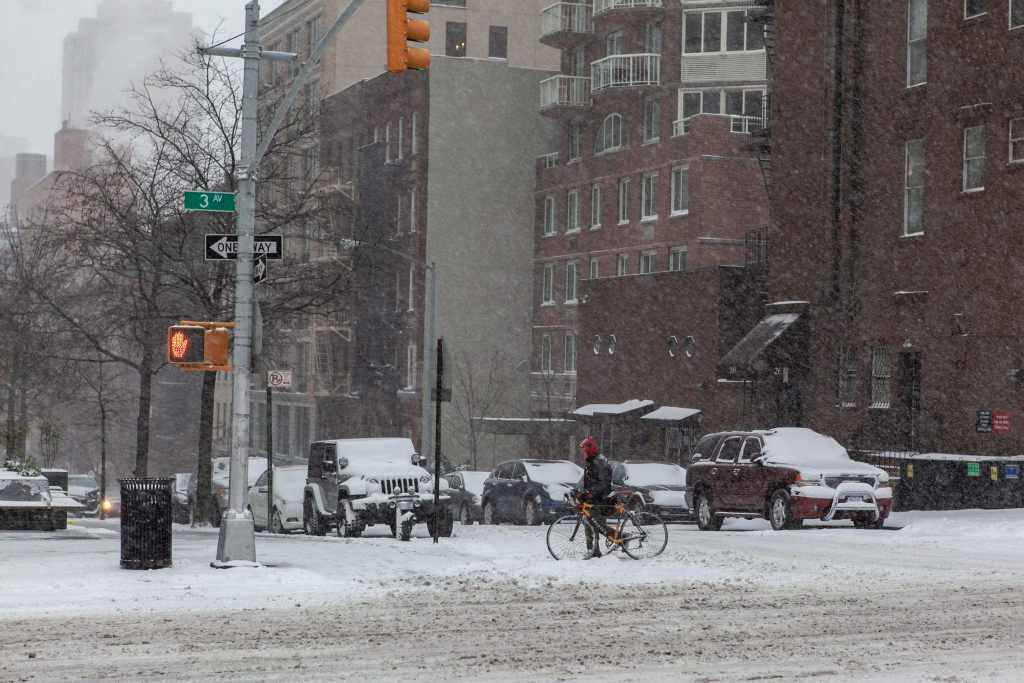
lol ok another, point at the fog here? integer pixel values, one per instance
(33, 31)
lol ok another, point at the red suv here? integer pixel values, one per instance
(785, 475)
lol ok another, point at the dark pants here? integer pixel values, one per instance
(599, 516)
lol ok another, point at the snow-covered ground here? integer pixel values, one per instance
(879, 593)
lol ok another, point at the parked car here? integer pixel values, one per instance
(529, 491)
(219, 476)
(466, 489)
(111, 505)
(287, 512)
(84, 489)
(656, 486)
(785, 475)
(182, 500)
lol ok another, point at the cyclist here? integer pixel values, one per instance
(597, 488)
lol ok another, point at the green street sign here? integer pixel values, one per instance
(973, 469)
(210, 201)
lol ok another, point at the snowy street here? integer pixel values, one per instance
(935, 600)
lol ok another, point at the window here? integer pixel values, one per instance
(623, 201)
(398, 291)
(648, 261)
(751, 449)
(1016, 139)
(410, 366)
(917, 42)
(1016, 13)
(677, 259)
(455, 39)
(570, 353)
(387, 143)
(609, 137)
(704, 32)
(730, 449)
(595, 267)
(572, 211)
(399, 201)
(412, 210)
(652, 39)
(548, 290)
(413, 135)
(846, 387)
(578, 67)
(652, 119)
(623, 265)
(680, 190)
(412, 288)
(549, 215)
(614, 44)
(913, 193)
(401, 137)
(545, 353)
(497, 47)
(575, 141)
(881, 376)
(649, 197)
(973, 8)
(974, 159)
(595, 203)
(572, 278)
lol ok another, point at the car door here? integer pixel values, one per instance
(502, 484)
(725, 474)
(517, 486)
(752, 480)
(258, 501)
(456, 491)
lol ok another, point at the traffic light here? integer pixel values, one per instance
(401, 30)
(199, 346)
(186, 344)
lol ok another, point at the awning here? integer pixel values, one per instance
(746, 355)
(625, 409)
(672, 416)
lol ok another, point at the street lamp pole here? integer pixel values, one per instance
(429, 369)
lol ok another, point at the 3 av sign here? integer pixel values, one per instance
(222, 202)
(224, 247)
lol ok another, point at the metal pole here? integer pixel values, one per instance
(270, 455)
(429, 342)
(237, 535)
(437, 434)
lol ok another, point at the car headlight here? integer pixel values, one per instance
(373, 481)
(882, 480)
(647, 496)
(801, 480)
(106, 505)
(425, 479)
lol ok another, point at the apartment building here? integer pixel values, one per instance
(656, 170)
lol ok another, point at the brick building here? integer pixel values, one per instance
(898, 153)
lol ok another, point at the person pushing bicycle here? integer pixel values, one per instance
(596, 488)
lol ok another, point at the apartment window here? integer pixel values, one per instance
(847, 382)
(575, 141)
(399, 201)
(497, 47)
(652, 119)
(1016, 13)
(680, 190)
(413, 135)
(570, 353)
(595, 267)
(974, 159)
(549, 215)
(412, 288)
(649, 197)
(412, 210)
(572, 278)
(579, 62)
(548, 289)
(973, 8)
(718, 31)
(595, 203)
(401, 137)
(1016, 140)
(677, 259)
(410, 366)
(622, 267)
(623, 201)
(615, 43)
(398, 291)
(609, 137)
(313, 33)
(376, 134)
(572, 211)
(913, 194)
(311, 163)
(648, 262)
(387, 143)
(881, 379)
(545, 353)
(455, 39)
(652, 38)
(917, 42)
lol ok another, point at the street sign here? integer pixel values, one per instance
(279, 379)
(974, 469)
(221, 202)
(260, 271)
(225, 247)
(1001, 421)
(983, 421)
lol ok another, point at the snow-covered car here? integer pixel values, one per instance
(466, 489)
(356, 483)
(529, 491)
(220, 472)
(84, 489)
(659, 487)
(28, 501)
(786, 475)
(286, 515)
(182, 497)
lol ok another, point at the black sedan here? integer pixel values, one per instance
(466, 490)
(656, 486)
(529, 491)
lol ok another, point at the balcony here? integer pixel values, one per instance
(744, 125)
(561, 93)
(625, 71)
(564, 24)
(605, 6)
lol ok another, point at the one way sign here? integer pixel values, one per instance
(222, 247)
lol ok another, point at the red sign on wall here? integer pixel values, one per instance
(1001, 421)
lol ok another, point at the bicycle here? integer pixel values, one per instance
(640, 535)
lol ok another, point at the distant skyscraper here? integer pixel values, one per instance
(120, 46)
(8, 148)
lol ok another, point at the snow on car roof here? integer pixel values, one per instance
(474, 481)
(553, 471)
(641, 473)
(795, 445)
(385, 449)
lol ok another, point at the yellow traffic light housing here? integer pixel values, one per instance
(401, 30)
(199, 346)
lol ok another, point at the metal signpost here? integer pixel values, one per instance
(276, 379)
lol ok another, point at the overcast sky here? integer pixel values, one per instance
(32, 34)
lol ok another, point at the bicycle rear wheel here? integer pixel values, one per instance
(644, 535)
(567, 538)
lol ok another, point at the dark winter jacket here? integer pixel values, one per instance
(597, 478)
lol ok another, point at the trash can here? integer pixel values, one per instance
(146, 516)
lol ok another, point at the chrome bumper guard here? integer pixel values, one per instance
(856, 490)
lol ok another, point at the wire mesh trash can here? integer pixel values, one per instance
(146, 516)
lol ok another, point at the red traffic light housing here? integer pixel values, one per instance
(401, 30)
(199, 347)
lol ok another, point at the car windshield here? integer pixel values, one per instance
(557, 472)
(474, 481)
(289, 482)
(653, 474)
(83, 481)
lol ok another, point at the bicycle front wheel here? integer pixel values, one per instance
(567, 538)
(644, 535)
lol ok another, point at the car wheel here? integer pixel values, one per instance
(866, 522)
(489, 517)
(255, 526)
(707, 520)
(531, 515)
(465, 517)
(276, 527)
(637, 504)
(779, 512)
(311, 520)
